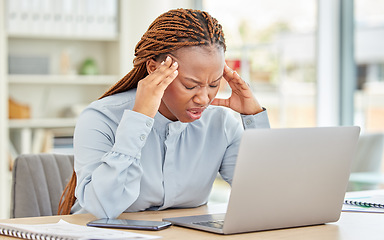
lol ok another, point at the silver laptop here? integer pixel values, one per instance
(284, 178)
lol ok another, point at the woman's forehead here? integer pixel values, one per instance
(200, 64)
(200, 50)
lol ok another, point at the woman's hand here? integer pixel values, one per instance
(151, 89)
(241, 99)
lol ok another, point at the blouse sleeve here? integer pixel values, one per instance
(108, 162)
(233, 133)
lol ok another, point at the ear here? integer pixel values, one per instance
(151, 65)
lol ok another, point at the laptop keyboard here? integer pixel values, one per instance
(213, 224)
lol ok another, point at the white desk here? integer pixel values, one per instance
(351, 226)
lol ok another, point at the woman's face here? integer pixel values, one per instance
(200, 72)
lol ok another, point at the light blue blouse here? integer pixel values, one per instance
(126, 161)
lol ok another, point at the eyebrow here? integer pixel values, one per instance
(197, 82)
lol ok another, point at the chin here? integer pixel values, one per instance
(185, 119)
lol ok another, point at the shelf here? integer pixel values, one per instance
(63, 79)
(42, 123)
(64, 37)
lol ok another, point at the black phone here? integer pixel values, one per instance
(129, 224)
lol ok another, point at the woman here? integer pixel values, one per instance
(154, 140)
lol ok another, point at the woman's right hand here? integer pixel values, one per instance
(151, 89)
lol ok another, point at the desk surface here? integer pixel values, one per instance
(351, 226)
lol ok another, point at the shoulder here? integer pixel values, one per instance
(113, 106)
(116, 101)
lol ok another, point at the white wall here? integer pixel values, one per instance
(4, 172)
(369, 47)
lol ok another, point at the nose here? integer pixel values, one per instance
(202, 97)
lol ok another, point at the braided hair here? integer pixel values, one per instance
(170, 31)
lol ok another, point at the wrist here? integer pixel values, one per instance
(256, 111)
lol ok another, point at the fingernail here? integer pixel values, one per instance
(167, 59)
(175, 64)
(176, 72)
(162, 63)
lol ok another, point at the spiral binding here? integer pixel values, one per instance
(364, 204)
(27, 235)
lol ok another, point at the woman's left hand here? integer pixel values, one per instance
(241, 99)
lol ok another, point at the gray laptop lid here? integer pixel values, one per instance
(288, 178)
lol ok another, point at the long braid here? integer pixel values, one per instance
(170, 31)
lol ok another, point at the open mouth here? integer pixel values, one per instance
(195, 113)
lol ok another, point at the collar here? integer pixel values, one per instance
(163, 124)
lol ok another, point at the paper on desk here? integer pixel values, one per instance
(74, 231)
(369, 196)
(353, 208)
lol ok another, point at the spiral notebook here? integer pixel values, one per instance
(364, 201)
(370, 198)
(67, 231)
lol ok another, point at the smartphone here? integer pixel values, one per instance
(129, 224)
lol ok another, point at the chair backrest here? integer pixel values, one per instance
(38, 181)
(369, 154)
(369, 158)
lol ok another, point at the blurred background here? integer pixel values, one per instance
(309, 62)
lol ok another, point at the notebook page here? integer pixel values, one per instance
(73, 231)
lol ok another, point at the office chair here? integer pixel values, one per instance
(38, 181)
(368, 161)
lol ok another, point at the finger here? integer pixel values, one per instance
(165, 65)
(170, 73)
(228, 73)
(231, 74)
(241, 83)
(168, 80)
(234, 80)
(167, 62)
(163, 72)
(232, 77)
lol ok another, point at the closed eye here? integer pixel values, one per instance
(190, 88)
(215, 85)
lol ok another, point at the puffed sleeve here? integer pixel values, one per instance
(107, 160)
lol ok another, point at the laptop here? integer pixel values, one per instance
(284, 178)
